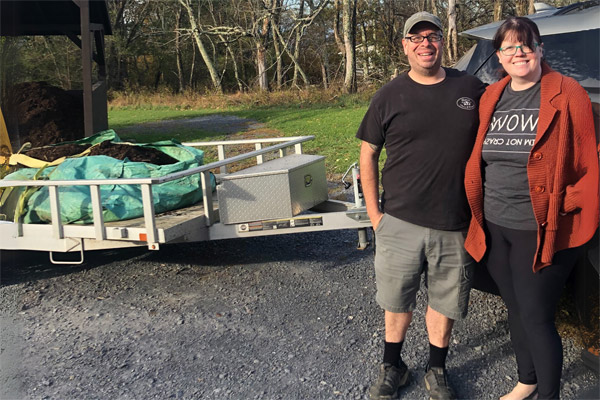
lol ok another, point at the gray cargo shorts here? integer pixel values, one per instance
(405, 251)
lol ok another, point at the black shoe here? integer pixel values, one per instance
(388, 382)
(437, 384)
(532, 396)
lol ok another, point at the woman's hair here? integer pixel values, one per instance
(523, 29)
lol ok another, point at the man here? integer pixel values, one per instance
(427, 120)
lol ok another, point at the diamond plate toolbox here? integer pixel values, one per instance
(280, 188)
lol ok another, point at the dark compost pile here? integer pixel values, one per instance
(47, 114)
(119, 151)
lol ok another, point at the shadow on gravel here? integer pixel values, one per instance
(331, 248)
(29, 266)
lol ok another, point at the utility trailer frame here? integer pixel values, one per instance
(196, 223)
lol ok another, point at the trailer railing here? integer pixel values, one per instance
(282, 145)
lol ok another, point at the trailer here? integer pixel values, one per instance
(286, 194)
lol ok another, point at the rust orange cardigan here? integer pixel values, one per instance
(562, 169)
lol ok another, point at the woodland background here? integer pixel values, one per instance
(237, 46)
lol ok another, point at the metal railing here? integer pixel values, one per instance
(146, 184)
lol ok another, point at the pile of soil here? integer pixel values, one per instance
(51, 153)
(46, 114)
(132, 152)
(119, 151)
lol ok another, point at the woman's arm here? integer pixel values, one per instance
(585, 155)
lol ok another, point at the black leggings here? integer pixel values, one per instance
(531, 300)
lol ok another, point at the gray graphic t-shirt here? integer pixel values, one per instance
(506, 149)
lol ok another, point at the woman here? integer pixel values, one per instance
(532, 185)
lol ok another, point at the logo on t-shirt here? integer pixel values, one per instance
(466, 103)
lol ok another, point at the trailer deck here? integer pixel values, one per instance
(196, 223)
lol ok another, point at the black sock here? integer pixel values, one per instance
(437, 356)
(391, 353)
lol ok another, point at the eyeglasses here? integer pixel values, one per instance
(512, 50)
(432, 38)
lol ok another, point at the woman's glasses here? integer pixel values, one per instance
(512, 50)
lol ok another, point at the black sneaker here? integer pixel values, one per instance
(388, 382)
(437, 384)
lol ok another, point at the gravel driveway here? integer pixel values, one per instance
(284, 317)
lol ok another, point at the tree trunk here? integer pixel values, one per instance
(178, 51)
(498, 9)
(261, 37)
(365, 52)
(324, 76)
(214, 76)
(276, 12)
(348, 22)
(192, 66)
(235, 63)
(325, 63)
(521, 7)
(452, 34)
(261, 65)
(279, 64)
(297, 44)
(336, 27)
(531, 8)
(297, 66)
(434, 9)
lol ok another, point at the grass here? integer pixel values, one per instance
(333, 125)
(120, 117)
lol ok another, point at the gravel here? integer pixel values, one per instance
(283, 317)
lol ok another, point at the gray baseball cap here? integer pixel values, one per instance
(421, 16)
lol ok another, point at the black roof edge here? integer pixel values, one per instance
(577, 7)
(50, 17)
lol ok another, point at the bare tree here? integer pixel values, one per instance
(301, 23)
(260, 34)
(297, 44)
(336, 28)
(365, 51)
(498, 9)
(452, 44)
(531, 7)
(195, 31)
(178, 16)
(349, 27)
(434, 9)
(521, 7)
(275, 21)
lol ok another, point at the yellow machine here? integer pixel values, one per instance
(5, 148)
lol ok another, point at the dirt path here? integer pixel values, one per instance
(222, 124)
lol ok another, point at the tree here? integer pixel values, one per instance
(524, 7)
(195, 31)
(260, 34)
(348, 43)
(452, 44)
(498, 10)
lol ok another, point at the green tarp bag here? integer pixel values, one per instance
(119, 202)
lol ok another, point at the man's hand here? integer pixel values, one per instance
(369, 177)
(376, 219)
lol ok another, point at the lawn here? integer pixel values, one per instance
(334, 127)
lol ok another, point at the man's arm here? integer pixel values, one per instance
(369, 177)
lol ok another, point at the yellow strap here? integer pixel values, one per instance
(31, 162)
(4, 141)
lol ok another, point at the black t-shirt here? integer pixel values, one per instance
(428, 132)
